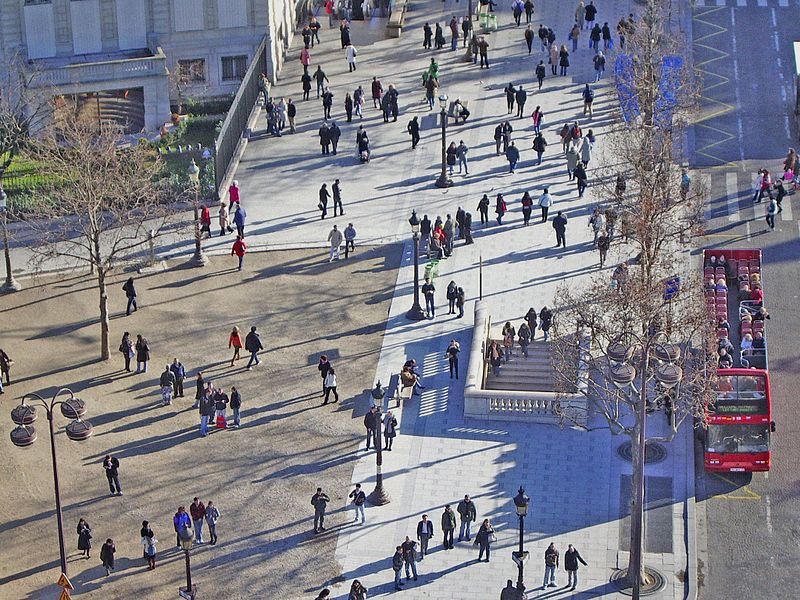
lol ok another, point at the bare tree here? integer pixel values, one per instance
(108, 199)
(638, 347)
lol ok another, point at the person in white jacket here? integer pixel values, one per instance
(330, 385)
(351, 53)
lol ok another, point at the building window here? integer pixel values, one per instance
(192, 71)
(234, 67)
(30, 2)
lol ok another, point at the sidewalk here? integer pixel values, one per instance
(576, 480)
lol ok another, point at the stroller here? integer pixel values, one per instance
(363, 150)
(166, 395)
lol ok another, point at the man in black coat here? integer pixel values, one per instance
(327, 103)
(372, 420)
(325, 138)
(413, 129)
(252, 343)
(560, 225)
(335, 134)
(111, 466)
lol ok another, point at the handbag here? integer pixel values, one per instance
(492, 538)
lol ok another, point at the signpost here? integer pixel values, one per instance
(65, 585)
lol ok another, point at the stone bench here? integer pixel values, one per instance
(394, 27)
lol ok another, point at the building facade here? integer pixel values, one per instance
(130, 60)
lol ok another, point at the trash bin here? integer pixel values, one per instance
(492, 22)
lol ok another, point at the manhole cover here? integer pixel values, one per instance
(653, 582)
(654, 452)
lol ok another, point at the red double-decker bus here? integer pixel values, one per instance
(739, 422)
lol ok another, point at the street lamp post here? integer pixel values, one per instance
(25, 435)
(623, 375)
(11, 284)
(444, 181)
(378, 496)
(415, 313)
(521, 502)
(199, 259)
(185, 535)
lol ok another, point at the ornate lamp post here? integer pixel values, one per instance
(415, 313)
(185, 535)
(11, 284)
(521, 502)
(444, 181)
(25, 435)
(378, 496)
(623, 374)
(199, 259)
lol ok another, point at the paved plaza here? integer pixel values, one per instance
(576, 480)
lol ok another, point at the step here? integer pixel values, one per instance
(521, 387)
(518, 362)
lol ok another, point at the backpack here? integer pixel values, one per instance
(589, 95)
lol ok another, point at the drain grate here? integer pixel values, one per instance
(654, 582)
(653, 453)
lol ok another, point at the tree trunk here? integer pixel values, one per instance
(105, 345)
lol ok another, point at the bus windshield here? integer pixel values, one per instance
(737, 438)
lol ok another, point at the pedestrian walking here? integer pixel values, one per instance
(597, 223)
(591, 14)
(461, 153)
(451, 156)
(149, 542)
(410, 557)
(550, 566)
(563, 60)
(483, 209)
(483, 51)
(348, 107)
(111, 467)
(397, 567)
(198, 511)
(512, 155)
(107, 551)
(574, 35)
(330, 385)
(413, 130)
(500, 208)
(451, 354)
(453, 34)
(528, 10)
(357, 591)
(325, 139)
(389, 430)
(524, 338)
(772, 210)
(586, 151)
(205, 220)
(466, 30)
(545, 202)
(560, 225)
(130, 293)
(424, 534)
(554, 59)
(527, 208)
(235, 342)
(607, 41)
(603, 244)
(125, 347)
(236, 407)
(212, 516)
(538, 118)
(484, 539)
(335, 134)
(545, 321)
(509, 333)
(224, 221)
(181, 522)
(142, 354)
(530, 319)
(323, 367)
(359, 499)
(324, 196)
(529, 38)
(448, 527)
(494, 354)
(320, 502)
(305, 81)
(571, 558)
(511, 93)
(428, 290)
(541, 71)
(580, 14)
(539, 146)
(327, 103)
(468, 513)
(349, 239)
(252, 343)
(336, 188)
(291, 113)
(239, 249)
(377, 92)
(460, 299)
(84, 538)
(521, 97)
(595, 34)
(599, 61)
(239, 219)
(350, 54)
(588, 99)
(580, 178)
(335, 238)
(371, 423)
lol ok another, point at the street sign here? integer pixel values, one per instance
(519, 558)
(672, 287)
(64, 595)
(63, 582)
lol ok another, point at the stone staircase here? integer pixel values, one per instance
(532, 374)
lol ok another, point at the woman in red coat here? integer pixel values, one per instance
(205, 220)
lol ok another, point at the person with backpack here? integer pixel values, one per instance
(130, 293)
(252, 343)
(550, 565)
(588, 99)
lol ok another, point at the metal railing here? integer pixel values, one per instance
(237, 120)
